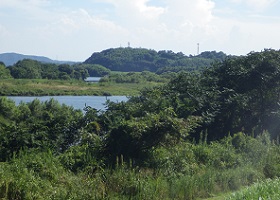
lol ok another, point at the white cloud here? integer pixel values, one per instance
(238, 37)
(81, 21)
(180, 23)
(70, 32)
(76, 34)
(256, 5)
(24, 4)
(3, 31)
(199, 11)
(149, 12)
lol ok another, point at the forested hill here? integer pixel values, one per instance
(11, 58)
(140, 59)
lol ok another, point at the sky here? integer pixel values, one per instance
(74, 29)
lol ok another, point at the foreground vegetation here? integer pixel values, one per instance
(187, 171)
(198, 136)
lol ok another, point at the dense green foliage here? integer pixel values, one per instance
(239, 94)
(248, 94)
(137, 77)
(93, 70)
(32, 69)
(37, 125)
(140, 59)
(198, 135)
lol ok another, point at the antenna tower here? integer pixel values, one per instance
(197, 48)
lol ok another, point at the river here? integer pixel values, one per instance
(78, 102)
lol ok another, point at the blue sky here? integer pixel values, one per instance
(74, 29)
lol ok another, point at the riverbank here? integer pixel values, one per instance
(78, 102)
(43, 87)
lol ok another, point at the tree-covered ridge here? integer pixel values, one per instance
(119, 59)
(140, 59)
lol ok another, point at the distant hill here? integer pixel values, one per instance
(11, 58)
(140, 59)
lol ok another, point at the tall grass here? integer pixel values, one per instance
(263, 190)
(185, 171)
(39, 175)
(40, 87)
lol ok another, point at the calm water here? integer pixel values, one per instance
(78, 102)
(93, 79)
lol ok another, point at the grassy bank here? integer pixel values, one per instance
(42, 87)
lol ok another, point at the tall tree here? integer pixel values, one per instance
(26, 69)
(4, 72)
(249, 93)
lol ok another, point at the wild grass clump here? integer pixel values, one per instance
(202, 170)
(40, 175)
(268, 189)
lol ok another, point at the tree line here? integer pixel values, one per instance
(32, 69)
